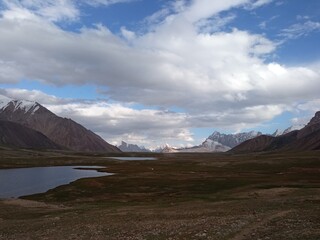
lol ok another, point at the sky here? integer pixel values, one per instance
(155, 72)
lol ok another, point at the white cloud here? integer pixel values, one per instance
(129, 35)
(310, 106)
(52, 10)
(105, 2)
(218, 78)
(260, 3)
(300, 30)
(33, 95)
(113, 121)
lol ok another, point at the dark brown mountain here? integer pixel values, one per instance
(64, 132)
(15, 135)
(306, 139)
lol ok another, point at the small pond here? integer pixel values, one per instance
(133, 158)
(19, 182)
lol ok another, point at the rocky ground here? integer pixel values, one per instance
(178, 197)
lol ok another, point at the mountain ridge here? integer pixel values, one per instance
(64, 132)
(305, 139)
(127, 147)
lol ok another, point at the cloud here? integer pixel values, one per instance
(258, 3)
(183, 59)
(113, 121)
(105, 2)
(310, 106)
(53, 10)
(299, 30)
(33, 95)
(116, 122)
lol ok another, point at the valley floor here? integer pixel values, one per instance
(179, 196)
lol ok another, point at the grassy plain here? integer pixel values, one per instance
(178, 196)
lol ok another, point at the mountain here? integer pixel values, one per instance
(62, 131)
(305, 139)
(216, 142)
(169, 149)
(214, 146)
(232, 140)
(289, 129)
(125, 147)
(15, 135)
(207, 146)
(277, 133)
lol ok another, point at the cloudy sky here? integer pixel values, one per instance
(160, 71)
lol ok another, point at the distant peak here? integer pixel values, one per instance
(315, 119)
(278, 132)
(25, 105)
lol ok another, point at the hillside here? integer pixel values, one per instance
(64, 132)
(305, 139)
(15, 135)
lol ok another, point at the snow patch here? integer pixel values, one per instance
(35, 109)
(4, 101)
(26, 106)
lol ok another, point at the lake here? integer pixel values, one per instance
(133, 158)
(19, 182)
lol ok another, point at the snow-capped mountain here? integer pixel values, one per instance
(216, 142)
(62, 131)
(164, 149)
(214, 146)
(207, 146)
(232, 140)
(125, 147)
(293, 128)
(279, 132)
(169, 149)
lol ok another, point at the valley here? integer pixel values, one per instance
(159, 120)
(178, 196)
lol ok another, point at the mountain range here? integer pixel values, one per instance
(125, 147)
(216, 142)
(63, 132)
(27, 124)
(305, 139)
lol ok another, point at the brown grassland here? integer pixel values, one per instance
(179, 196)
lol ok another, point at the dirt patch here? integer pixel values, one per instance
(248, 231)
(31, 204)
(274, 192)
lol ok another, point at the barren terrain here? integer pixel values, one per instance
(178, 196)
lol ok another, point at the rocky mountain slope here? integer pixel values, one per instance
(232, 140)
(15, 135)
(64, 132)
(305, 139)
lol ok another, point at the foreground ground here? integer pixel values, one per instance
(179, 196)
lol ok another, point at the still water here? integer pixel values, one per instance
(19, 182)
